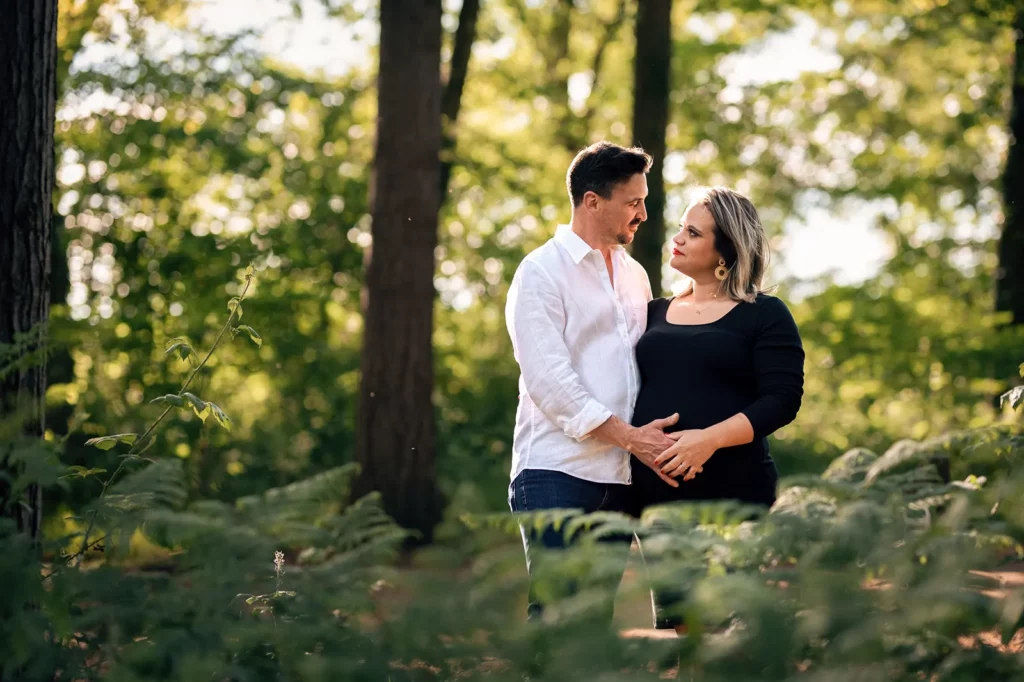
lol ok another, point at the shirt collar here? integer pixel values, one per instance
(574, 244)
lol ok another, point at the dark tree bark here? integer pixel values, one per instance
(451, 99)
(1010, 278)
(396, 429)
(652, 71)
(28, 90)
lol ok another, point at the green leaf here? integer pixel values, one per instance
(107, 442)
(250, 271)
(182, 348)
(199, 406)
(82, 472)
(170, 399)
(1021, 368)
(219, 415)
(1014, 396)
(235, 306)
(256, 338)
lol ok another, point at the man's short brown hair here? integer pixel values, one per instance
(601, 166)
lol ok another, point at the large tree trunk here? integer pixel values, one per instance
(1010, 280)
(652, 70)
(28, 90)
(395, 432)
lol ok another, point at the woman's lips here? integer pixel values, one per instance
(676, 252)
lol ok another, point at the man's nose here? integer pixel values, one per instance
(643, 211)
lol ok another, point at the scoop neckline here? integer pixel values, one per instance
(701, 324)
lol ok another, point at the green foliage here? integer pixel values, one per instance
(191, 612)
(175, 171)
(880, 575)
(914, 352)
(24, 351)
(200, 162)
(878, 565)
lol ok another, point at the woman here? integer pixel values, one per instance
(723, 355)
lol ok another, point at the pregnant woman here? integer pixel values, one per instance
(724, 356)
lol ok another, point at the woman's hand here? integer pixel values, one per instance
(686, 457)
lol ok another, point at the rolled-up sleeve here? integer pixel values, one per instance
(779, 366)
(535, 315)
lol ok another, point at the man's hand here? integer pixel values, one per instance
(647, 442)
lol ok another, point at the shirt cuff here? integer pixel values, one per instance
(590, 417)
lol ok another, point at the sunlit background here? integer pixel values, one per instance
(195, 137)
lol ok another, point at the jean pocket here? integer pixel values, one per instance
(517, 492)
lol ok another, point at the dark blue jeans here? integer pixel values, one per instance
(539, 489)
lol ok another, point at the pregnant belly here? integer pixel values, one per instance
(695, 411)
(700, 412)
(726, 476)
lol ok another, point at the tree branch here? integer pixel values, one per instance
(451, 98)
(139, 446)
(610, 29)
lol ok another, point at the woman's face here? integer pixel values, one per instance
(693, 247)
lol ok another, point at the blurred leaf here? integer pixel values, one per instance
(252, 335)
(170, 399)
(108, 442)
(183, 350)
(219, 415)
(199, 406)
(82, 472)
(1014, 396)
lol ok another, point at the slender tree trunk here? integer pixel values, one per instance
(451, 99)
(557, 56)
(396, 429)
(28, 90)
(652, 78)
(608, 31)
(1010, 278)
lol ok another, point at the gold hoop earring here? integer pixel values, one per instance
(721, 272)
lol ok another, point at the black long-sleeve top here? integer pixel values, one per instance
(750, 361)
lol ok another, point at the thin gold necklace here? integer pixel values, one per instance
(706, 305)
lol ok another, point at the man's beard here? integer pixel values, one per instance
(624, 238)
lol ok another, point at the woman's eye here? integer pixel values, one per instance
(693, 233)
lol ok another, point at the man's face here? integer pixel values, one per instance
(622, 213)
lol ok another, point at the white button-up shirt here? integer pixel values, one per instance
(574, 336)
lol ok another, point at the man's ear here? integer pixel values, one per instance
(591, 201)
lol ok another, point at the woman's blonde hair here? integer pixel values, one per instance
(739, 238)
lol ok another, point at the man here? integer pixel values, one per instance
(576, 308)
